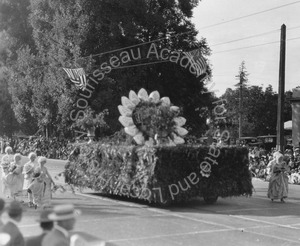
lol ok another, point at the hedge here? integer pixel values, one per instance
(159, 174)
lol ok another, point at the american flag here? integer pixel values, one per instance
(197, 61)
(77, 76)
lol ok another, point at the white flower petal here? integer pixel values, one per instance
(171, 143)
(181, 131)
(134, 97)
(126, 121)
(178, 140)
(142, 94)
(131, 130)
(139, 139)
(150, 142)
(174, 108)
(165, 101)
(124, 111)
(127, 103)
(180, 121)
(154, 96)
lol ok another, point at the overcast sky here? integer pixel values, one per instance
(262, 62)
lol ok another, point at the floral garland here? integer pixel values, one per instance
(151, 120)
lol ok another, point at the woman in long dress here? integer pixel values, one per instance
(37, 189)
(15, 178)
(5, 163)
(278, 184)
(45, 175)
(28, 172)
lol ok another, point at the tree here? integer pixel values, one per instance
(259, 110)
(66, 33)
(243, 78)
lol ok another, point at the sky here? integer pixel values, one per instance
(262, 62)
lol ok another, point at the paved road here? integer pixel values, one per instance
(231, 221)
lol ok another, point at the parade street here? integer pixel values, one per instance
(231, 221)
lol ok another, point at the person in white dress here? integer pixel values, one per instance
(6, 160)
(28, 172)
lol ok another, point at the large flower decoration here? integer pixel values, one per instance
(150, 119)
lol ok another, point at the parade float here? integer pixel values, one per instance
(159, 167)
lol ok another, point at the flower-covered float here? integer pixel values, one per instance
(159, 167)
(151, 120)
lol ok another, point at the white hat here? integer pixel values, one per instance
(64, 212)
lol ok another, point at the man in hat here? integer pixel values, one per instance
(46, 224)
(65, 216)
(11, 227)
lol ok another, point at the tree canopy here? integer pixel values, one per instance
(51, 34)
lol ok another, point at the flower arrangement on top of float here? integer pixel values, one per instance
(151, 120)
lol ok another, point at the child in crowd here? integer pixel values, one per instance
(5, 163)
(4, 186)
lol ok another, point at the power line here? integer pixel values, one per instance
(253, 36)
(252, 46)
(249, 15)
(205, 27)
(175, 35)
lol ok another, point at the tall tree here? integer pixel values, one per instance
(259, 110)
(243, 78)
(66, 33)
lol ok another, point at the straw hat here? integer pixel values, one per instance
(44, 216)
(64, 212)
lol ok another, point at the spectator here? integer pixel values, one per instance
(11, 227)
(65, 216)
(46, 224)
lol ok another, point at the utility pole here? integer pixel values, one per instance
(280, 106)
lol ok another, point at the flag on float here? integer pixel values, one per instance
(77, 76)
(197, 61)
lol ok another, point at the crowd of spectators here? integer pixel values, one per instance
(259, 163)
(51, 148)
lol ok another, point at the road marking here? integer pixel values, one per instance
(185, 234)
(128, 204)
(245, 209)
(262, 221)
(276, 237)
(121, 217)
(169, 235)
(189, 218)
